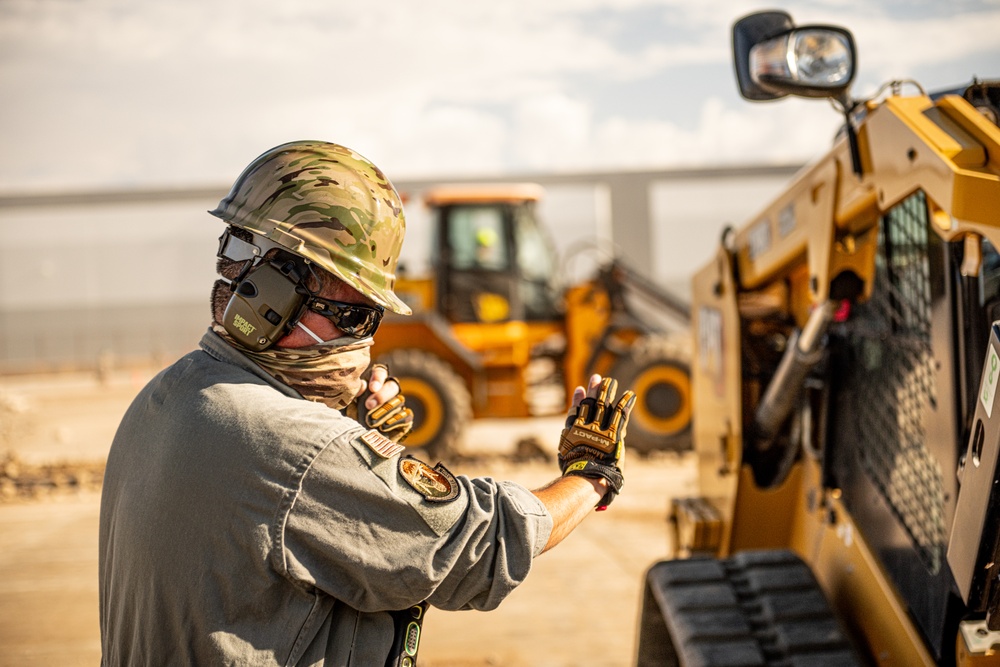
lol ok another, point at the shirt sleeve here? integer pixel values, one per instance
(363, 528)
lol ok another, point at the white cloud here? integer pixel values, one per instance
(552, 131)
(788, 132)
(466, 140)
(108, 93)
(915, 45)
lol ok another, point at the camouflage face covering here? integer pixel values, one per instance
(328, 204)
(329, 374)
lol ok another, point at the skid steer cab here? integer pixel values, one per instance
(845, 375)
(496, 334)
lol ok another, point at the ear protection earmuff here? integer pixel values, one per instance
(267, 302)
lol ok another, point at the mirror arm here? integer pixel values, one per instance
(852, 134)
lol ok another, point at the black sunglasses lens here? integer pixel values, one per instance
(357, 321)
(353, 320)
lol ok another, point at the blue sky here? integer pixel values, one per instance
(112, 93)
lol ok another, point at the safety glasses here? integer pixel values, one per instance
(353, 319)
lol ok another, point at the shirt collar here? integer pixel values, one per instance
(219, 349)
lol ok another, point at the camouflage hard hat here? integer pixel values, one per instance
(328, 204)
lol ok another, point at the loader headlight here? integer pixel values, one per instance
(811, 62)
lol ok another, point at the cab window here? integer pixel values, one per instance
(477, 240)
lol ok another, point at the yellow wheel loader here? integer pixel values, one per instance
(495, 335)
(845, 371)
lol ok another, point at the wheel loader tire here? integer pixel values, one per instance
(441, 403)
(756, 609)
(658, 371)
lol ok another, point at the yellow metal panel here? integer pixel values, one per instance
(588, 310)
(499, 344)
(764, 517)
(507, 343)
(863, 595)
(910, 151)
(507, 393)
(936, 131)
(976, 124)
(826, 538)
(417, 293)
(404, 332)
(796, 224)
(826, 213)
(505, 352)
(716, 375)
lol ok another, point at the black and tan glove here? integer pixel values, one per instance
(392, 419)
(593, 442)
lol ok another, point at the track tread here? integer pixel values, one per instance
(761, 608)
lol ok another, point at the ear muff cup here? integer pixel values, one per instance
(265, 304)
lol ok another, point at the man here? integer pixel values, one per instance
(241, 524)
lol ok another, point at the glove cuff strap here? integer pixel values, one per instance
(594, 470)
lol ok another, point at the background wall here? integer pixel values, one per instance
(116, 278)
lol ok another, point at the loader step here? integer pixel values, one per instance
(755, 609)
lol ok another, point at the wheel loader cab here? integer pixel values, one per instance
(493, 262)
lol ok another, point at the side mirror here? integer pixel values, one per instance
(773, 58)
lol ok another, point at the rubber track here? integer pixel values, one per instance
(756, 609)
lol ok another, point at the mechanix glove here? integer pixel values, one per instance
(392, 419)
(593, 442)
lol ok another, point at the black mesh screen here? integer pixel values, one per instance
(892, 382)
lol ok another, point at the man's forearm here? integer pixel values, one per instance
(569, 500)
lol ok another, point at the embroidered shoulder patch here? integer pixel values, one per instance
(381, 445)
(437, 484)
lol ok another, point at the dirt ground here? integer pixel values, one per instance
(54, 435)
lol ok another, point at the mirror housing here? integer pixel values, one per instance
(773, 58)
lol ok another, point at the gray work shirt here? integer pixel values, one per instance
(241, 524)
